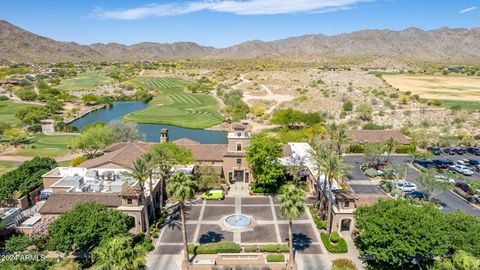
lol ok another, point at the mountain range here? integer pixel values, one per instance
(440, 45)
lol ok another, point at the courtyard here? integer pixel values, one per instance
(204, 225)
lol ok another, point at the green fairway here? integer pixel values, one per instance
(467, 105)
(174, 106)
(84, 81)
(8, 109)
(6, 166)
(47, 146)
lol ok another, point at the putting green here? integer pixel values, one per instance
(8, 109)
(47, 146)
(174, 106)
(84, 81)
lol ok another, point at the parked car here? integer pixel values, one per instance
(473, 162)
(379, 165)
(420, 195)
(406, 186)
(465, 187)
(435, 150)
(443, 178)
(473, 151)
(442, 164)
(462, 170)
(449, 151)
(460, 151)
(214, 194)
(425, 163)
(462, 162)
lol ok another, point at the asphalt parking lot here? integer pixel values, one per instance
(204, 225)
(450, 201)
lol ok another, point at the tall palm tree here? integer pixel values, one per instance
(140, 172)
(336, 169)
(182, 188)
(151, 165)
(292, 205)
(390, 145)
(119, 253)
(319, 153)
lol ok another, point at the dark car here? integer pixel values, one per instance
(435, 150)
(420, 195)
(473, 151)
(473, 162)
(465, 187)
(425, 163)
(460, 151)
(449, 151)
(442, 164)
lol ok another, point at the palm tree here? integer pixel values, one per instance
(335, 168)
(182, 188)
(320, 153)
(140, 173)
(151, 164)
(340, 137)
(390, 145)
(119, 253)
(292, 205)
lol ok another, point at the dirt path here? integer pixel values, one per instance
(269, 97)
(66, 157)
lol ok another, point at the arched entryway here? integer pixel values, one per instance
(345, 224)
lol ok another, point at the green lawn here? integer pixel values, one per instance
(6, 166)
(468, 105)
(84, 81)
(174, 106)
(8, 108)
(47, 146)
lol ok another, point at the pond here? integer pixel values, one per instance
(151, 131)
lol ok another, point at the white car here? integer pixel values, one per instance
(443, 178)
(463, 170)
(406, 186)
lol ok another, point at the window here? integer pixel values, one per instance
(239, 147)
(129, 201)
(230, 175)
(239, 161)
(347, 204)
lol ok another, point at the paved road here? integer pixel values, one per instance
(450, 200)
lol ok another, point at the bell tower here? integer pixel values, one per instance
(164, 135)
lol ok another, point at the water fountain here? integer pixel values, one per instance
(238, 222)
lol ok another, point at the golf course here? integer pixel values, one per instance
(47, 146)
(172, 105)
(8, 108)
(84, 81)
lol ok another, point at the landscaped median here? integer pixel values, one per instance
(232, 247)
(334, 244)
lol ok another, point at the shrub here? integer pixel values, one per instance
(275, 258)
(343, 264)
(3, 98)
(405, 149)
(321, 224)
(396, 193)
(155, 234)
(214, 248)
(335, 237)
(278, 248)
(78, 160)
(357, 148)
(339, 247)
(251, 249)
(17, 243)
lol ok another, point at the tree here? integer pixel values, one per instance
(393, 232)
(141, 173)
(340, 138)
(14, 136)
(335, 168)
(463, 231)
(90, 99)
(125, 131)
(262, 155)
(290, 117)
(364, 111)
(320, 153)
(167, 156)
(430, 184)
(390, 146)
(182, 188)
(86, 226)
(292, 202)
(92, 140)
(119, 253)
(461, 260)
(207, 178)
(373, 151)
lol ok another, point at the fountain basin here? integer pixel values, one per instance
(237, 223)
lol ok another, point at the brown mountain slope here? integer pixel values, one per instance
(441, 45)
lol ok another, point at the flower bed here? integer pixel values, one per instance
(321, 224)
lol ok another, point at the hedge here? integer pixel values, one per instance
(214, 248)
(339, 247)
(357, 148)
(321, 224)
(272, 248)
(406, 149)
(275, 258)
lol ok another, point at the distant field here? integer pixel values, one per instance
(6, 166)
(84, 81)
(447, 88)
(48, 146)
(8, 109)
(174, 106)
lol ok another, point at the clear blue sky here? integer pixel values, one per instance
(222, 23)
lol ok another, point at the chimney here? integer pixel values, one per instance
(164, 135)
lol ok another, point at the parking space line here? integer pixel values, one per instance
(200, 218)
